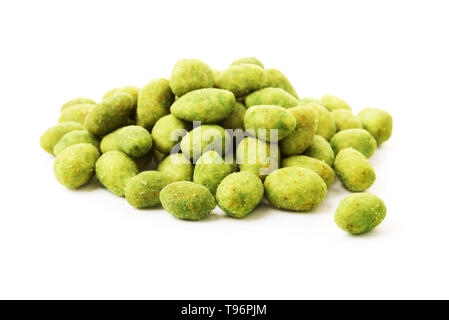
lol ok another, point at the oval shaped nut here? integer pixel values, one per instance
(187, 200)
(344, 119)
(239, 194)
(205, 138)
(204, 105)
(76, 113)
(354, 170)
(277, 79)
(190, 74)
(320, 167)
(264, 119)
(114, 170)
(110, 114)
(52, 135)
(167, 132)
(75, 137)
(271, 96)
(158, 156)
(321, 149)
(177, 167)
(360, 212)
(326, 123)
(377, 122)
(235, 120)
(358, 139)
(75, 166)
(293, 188)
(154, 102)
(332, 103)
(247, 60)
(135, 141)
(306, 126)
(210, 170)
(142, 190)
(131, 90)
(76, 101)
(242, 79)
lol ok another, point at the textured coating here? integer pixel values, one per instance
(177, 167)
(242, 79)
(344, 119)
(210, 170)
(235, 120)
(271, 96)
(277, 79)
(205, 138)
(142, 190)
(332, 103)
(354, 170)
(358, 139)
(377, 122)
(247, 60)
(321, 149)
(52, 135)
(326, 123)
(76, 101)
(167, 132)
(190, 74)
(77, 113)
(135, 141)
(75, 137)
(320, 167)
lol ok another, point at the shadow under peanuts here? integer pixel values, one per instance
(93, 184)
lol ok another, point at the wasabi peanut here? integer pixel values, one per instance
(242, 79)
(135, 141)
(321, 149)
(77, 113)
(142, 190)
(377, 122)
(247, 60)
(205, 138)
(76, 101)
(320, 167)
(276, 79)
(344, 119)
(354, 170)
(332, 103)
(177, 167)
(326, 123)
(52, 136)
(75, 137)
(235, 119)
(158, 156)
(271, 96)
(189, 75)
(131, 90)
(167, 132)
(210, 170)
(358, 139)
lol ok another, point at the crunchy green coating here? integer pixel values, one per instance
(143, 161)
(326, 123)
(247, 60)
(359, 139)
(269, 118)
(77, 113)
(294, 188)
(257, 156)
(167, 132)
(344, 119)
(210, 170)
(320, 167)
(158, 156)
(321, 149)
(205, 105)
(114, 170)
(79, 100)
(271, 96)
(235, 120)
(239, 194)
(360, 212)
(75, 137)
(177, 167)
(110, 114)
(190, 74)
(74, 166)
(187, 200)
(131, 90)
(307, 100)
(142, 190)
(135, 141)
(354, 170)
(52, 135)
(205, 138)
(276, 79)
(332, 103)
(154, 102)
(242, 79)
(377, 122)
(306, 126)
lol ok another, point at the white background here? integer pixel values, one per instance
(56, 243)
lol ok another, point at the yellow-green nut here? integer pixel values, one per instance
(75, 166)
(257, 156)
(377, 122)
(135, 141)
(242, 79)
(271, 96)
(307, 100)
(360, 212)
(158, 156)
(205, 105)
(326, 123)
(239, 193)
(358, 139)
(154, 102)
(79, 100)
(143, 161)
(320, 167)
(114, 170)
(306, 126)
(235, 120)
(187, 200)
(277, 79)
(321, 149)
(344, 119)
(205, 138)
(142, 190)
(190, 74)
(110, 114)
(294, 188)
(333, 103)
(210, 170)
(247, 60)
(77, 113)
(167, 132)
(75, 137)
(264, 119)
(177, 167)
(131, 90)
(52, 135)
(216, 74)
(354, 170)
